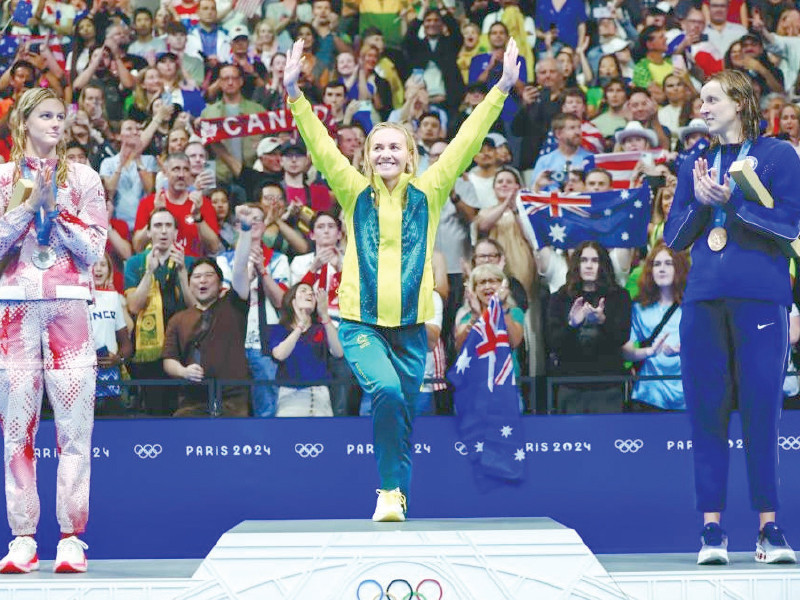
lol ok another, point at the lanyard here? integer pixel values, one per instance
(719, 214)
(43, 220)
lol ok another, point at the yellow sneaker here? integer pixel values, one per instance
(391, 506)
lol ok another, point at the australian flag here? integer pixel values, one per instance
(487, 401)
(615, 219)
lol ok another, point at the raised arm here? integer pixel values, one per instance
(467, 142)
(343, 178)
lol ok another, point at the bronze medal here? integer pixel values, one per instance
(717, 238)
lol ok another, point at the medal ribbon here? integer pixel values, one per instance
(43, 220)
(719, 213)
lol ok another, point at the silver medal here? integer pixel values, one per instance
(44, 257)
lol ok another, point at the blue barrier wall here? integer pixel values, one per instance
(170, 488)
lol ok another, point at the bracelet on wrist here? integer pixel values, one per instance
(199, 219)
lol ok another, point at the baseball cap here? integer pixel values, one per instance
(238, 31)
(293, 148)
(267, 145)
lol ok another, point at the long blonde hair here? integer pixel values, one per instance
(23, 109)
(413, 154)
(736, 85)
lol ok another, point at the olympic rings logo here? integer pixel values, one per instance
(144, 451)
(628, 446)
(430, 585)
(789, 442)
(309, 450)
(461, 448)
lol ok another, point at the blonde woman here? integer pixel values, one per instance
(50, 242)
(387, 281)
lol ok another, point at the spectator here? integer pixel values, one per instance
(642, 108)
(416, 104)
(485, 281)
(651, 70)
(552, 167)
(490, 251)
(334, 96)
(701, 57)
(301, 347)
(80, 130)
(325, 23)
(118, 245)
(565, 25)
(202, 174)
(435, 53)
(111, 338)
(254, 72)
(661, 206)
(322, 270)
(500, 223)
(481, 176)
(231, 104)
(615, 96)
(428, 132)
(107, 69)
(207, 339)
(540, 104)
(487, 68)
(721, 32)
(252, 180)
(189, 65)
(265, 42)
(350, 141)
(575, 104)
(84, 44)
(211, 42)
(758, 66)
(655, 330)
(145, 45)
(588, 321)
(279, 233)
(471, 47)
(149, 86)
(195, 217)
(790, 125)
(268, 273)
(271, 95)
(222, 208)
(519, 26)
(295, 164)
(129, 175)
(156, 287)
(677, 93)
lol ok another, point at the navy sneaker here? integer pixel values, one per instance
(715, 546)
(771, 546)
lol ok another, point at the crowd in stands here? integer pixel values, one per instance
(251, 218)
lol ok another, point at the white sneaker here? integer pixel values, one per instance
(70, 556)
(391, 506)
(21, 557)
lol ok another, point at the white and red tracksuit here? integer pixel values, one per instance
(46, 340)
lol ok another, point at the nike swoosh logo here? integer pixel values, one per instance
(760, 327)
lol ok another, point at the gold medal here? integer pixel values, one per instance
(717, 239)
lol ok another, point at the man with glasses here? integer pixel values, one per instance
(232, 104)
(207, 340)
(700, 57)
(721, 32)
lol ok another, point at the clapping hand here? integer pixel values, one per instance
(596, 314)
(322, 305)
(706, 189)
(42, 195)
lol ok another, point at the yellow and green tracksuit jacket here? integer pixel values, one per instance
(387, 279)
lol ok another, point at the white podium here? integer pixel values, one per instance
(460, 559)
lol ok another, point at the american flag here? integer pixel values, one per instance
(10, 42)
(616, 219)
(621, 165)
(591, 140)
(249, 8)
(487, 401)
